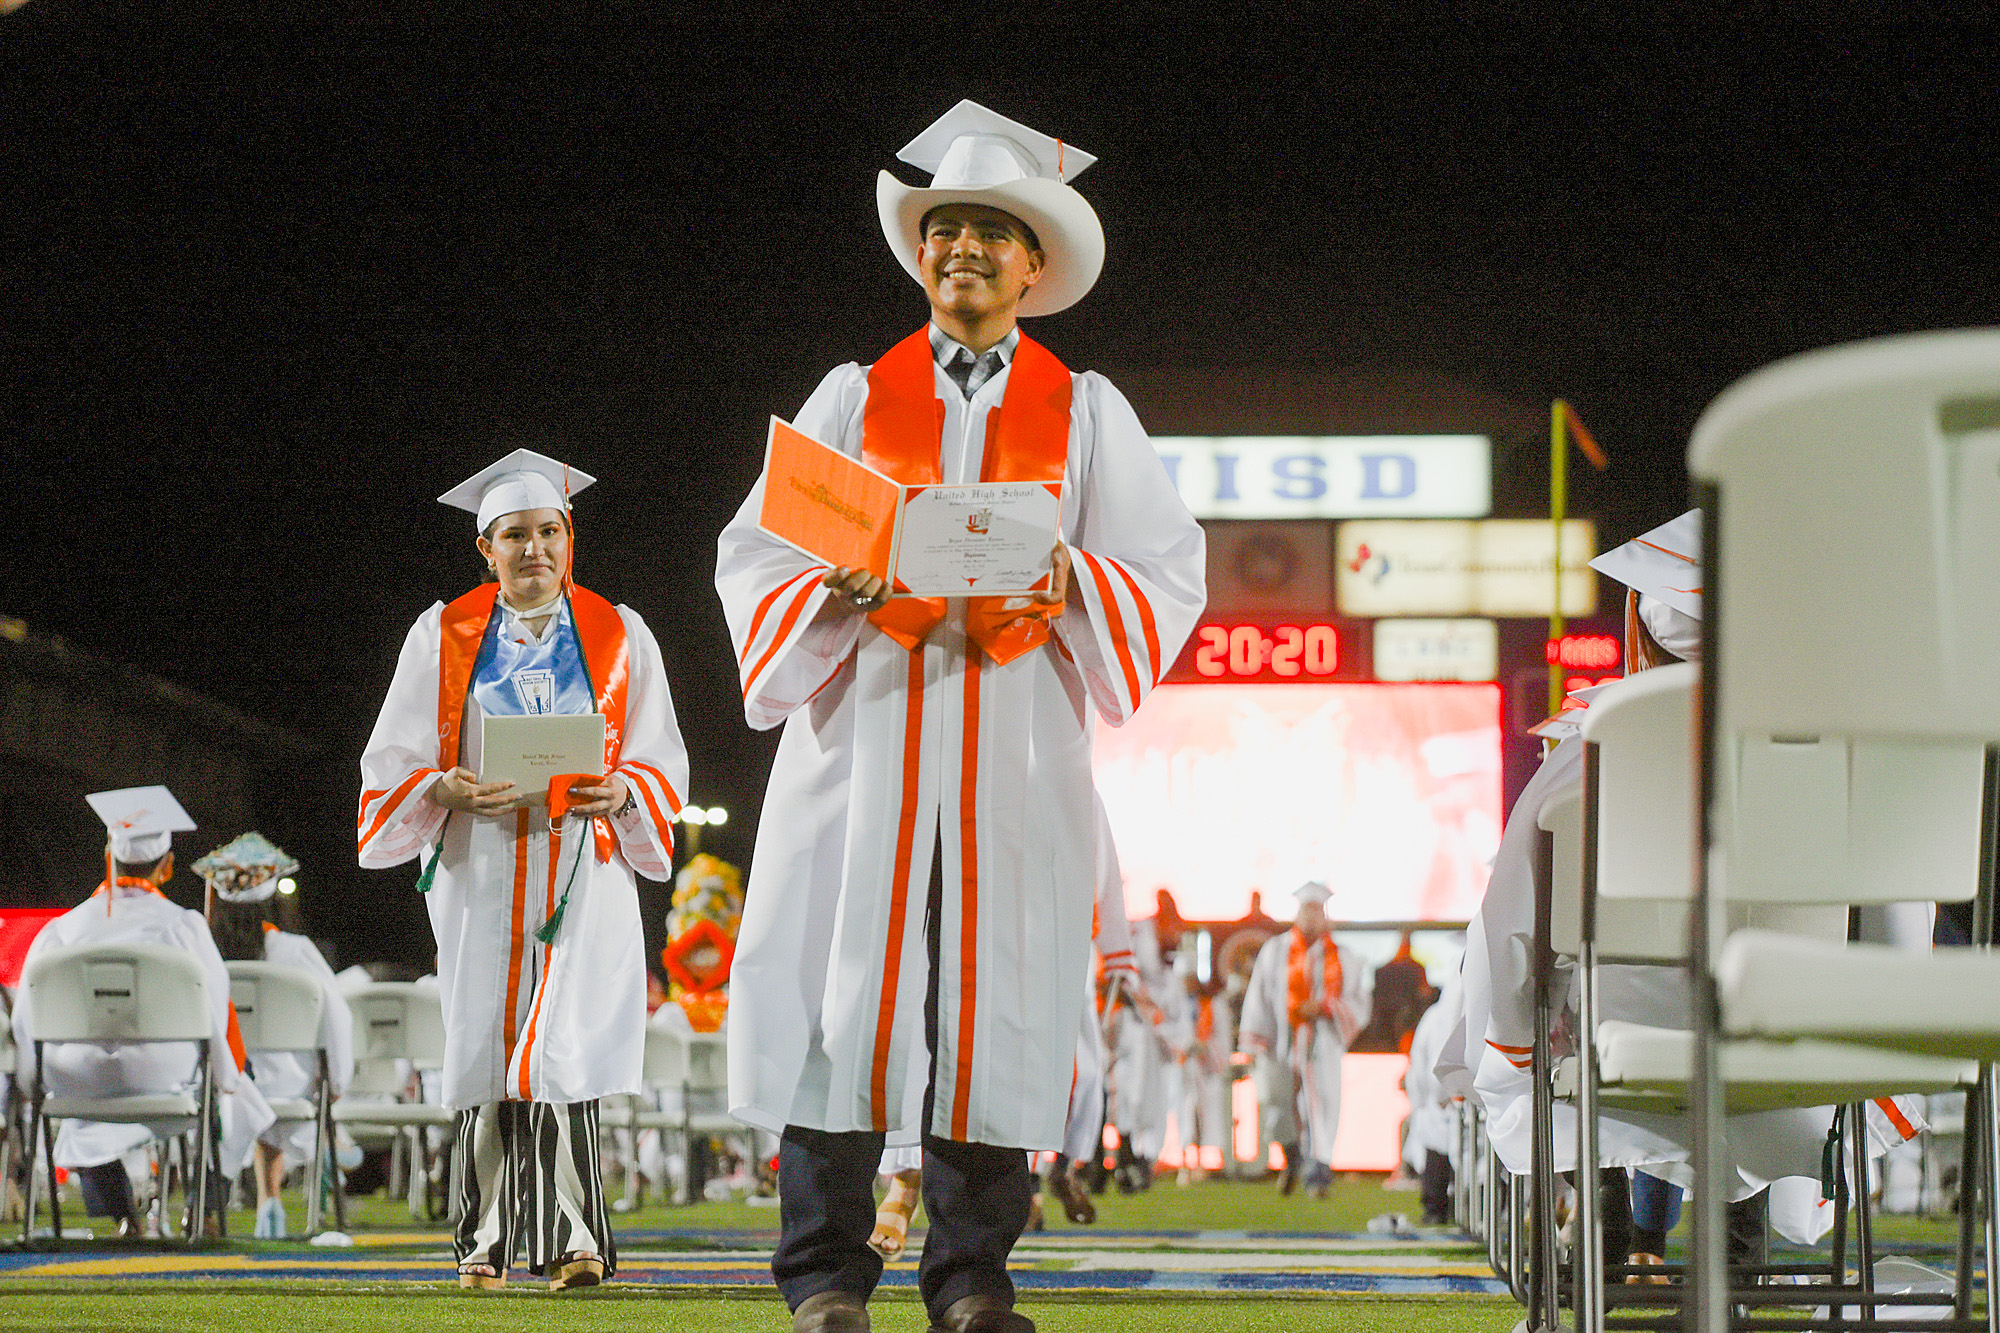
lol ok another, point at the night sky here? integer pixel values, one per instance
(276, 275)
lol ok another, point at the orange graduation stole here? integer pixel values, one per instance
(1298, 985)
(902, 430)
(601, 634)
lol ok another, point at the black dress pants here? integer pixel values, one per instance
(975, 1194)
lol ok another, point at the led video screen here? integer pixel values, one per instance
(1388, 793)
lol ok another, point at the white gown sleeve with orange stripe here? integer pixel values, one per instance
(399, 766)
(771, 592)
(1136, 558)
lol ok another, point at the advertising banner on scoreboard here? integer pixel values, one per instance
(1331, 476)
(1496, 567)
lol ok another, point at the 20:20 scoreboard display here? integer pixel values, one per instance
(1239, 651)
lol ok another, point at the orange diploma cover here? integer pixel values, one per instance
(968, 540)
(827, 504)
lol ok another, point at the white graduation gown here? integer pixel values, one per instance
(285, 1074)
(1314, 1064)
(1430, 1126)
(1001, 753)
(79, 1069)
(580, 1004)
(1207, 1077)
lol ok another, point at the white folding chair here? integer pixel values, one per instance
(279, 1011)
(397, 1025)
(1631, 904)
(110, 994)
(1852, 573)
(688, 1073)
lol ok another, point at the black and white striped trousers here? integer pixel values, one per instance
(529, 1172)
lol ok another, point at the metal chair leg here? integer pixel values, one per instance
(1587, 1255)
(55, 1191)
(1989, 1185)
(204, 1124)
(316, 1171)
(28, 1160)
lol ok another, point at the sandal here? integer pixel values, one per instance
(577, 1269)
(892, 1220)
(480, 1277)
(1640, 1259)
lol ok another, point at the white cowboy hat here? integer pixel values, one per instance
(977, 156)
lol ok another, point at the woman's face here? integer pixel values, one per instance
(529, 550)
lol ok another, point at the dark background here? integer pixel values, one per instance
(276, 275)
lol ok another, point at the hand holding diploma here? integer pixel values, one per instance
(462, 790)
(865, 592)
(858, 588)
(606, 796)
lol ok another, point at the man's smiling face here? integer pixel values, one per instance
(976, 261)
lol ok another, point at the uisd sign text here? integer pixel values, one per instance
(1331, 476)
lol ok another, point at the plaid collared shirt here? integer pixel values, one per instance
(967, 371)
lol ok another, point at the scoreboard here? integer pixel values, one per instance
(1246, 650)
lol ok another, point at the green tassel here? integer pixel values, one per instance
(430, 871)
(1829, 1156)
(547, 934)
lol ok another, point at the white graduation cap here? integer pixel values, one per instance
(978, 156)
(523, 479)
(141, 821)
(1664, 563)
(1312, 891)
(1664, 567)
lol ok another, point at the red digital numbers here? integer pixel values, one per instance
(1591, 652)
(1288, 651)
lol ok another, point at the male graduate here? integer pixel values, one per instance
(916, 937)
(1307, 998)
(129, 908)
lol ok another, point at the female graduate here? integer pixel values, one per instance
(243, 876)
(531, 894)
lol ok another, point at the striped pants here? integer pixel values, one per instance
(529, 1170)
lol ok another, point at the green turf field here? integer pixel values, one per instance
(1142, 1229)
(302, 1306)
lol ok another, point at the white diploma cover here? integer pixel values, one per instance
(528, 751)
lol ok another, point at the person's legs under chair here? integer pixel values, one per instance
(1656, 1210)
(107, 1192)
(1436, 1188)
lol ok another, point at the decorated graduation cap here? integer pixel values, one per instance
(1312, 891)
(978, 156)
(522, 480)
(1664, 568)
(246, 869)
(141, 822)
